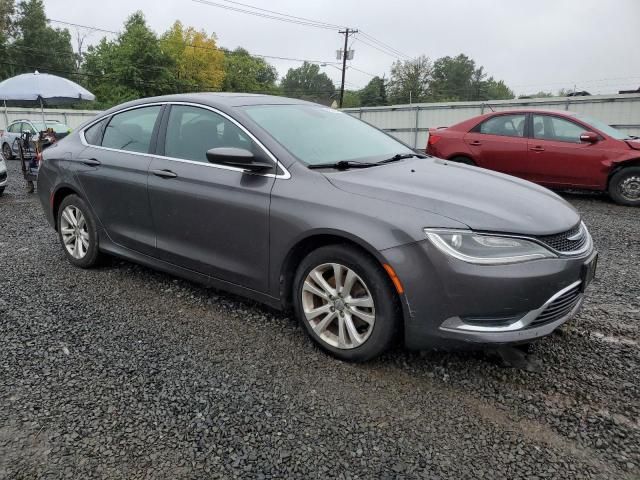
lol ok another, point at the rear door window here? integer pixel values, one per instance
(131, 130)
(504, 125)
(547, 127)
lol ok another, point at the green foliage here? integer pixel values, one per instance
(198, 62)
(132, 66)
(36, 45)
(351, 99)
(540, 94)
(410, 80)
(308, 83)
(7, 10)
(374, 93)
(246, 73)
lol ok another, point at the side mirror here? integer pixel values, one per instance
(237, 157)
(589, 137)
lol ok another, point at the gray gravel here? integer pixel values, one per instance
(123, 372)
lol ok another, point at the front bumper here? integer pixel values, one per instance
(447, 301)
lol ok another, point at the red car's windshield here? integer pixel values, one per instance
(603, 127)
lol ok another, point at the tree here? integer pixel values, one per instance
(7, 10)
(540, 94)
(374, 93)
(410, 80)
(497, 90)
(246, 73)
(455, 79)
(198, 62)
(351, 99)
(308, 83)
(132, 66)
(37, 46)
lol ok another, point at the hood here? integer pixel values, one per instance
(478, 198)
(634, 143)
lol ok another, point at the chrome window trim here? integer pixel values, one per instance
(284, 176)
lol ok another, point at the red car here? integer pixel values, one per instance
(555, 149)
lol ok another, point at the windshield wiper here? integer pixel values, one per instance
(343, 165)
(401, 156)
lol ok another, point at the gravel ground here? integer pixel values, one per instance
(123, 372)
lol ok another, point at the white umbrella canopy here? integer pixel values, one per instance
(42, 89)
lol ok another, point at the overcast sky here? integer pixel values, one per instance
(531, 45)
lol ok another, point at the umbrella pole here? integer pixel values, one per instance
(44, 122)
(6, 114)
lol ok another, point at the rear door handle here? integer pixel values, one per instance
(476, 143)
(92, 162)
(537, 149)
(164, 173)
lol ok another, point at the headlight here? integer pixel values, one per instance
(486, 249)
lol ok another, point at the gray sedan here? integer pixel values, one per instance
(306, 208)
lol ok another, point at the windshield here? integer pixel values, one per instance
(317, 135)
(56, 126)
(603, 127)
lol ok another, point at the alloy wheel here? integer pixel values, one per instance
(630, 188)
(6, 151)
(338, 306)
(74, 231)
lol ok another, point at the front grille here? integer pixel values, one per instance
(3, 176)
(560, 241)
(560, 307)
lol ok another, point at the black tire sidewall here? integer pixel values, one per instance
(615, 181)
(381, 288)
(463, 160)
(6, 146)
(91, 258)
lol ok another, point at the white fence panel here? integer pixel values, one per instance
(72, 118)
(410, 123)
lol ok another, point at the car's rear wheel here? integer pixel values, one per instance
(6, 151)
(462, 159)
(346, 302)
(624, 186)
(77, 232)
(1, 191)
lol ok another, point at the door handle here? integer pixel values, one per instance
(92, 162)
(164, 173)
(537, 149)
(476, 143)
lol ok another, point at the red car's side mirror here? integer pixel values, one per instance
(589, 137)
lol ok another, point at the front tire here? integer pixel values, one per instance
(346, 302)
(624, 186)
(1, 190)
(77, 232)
(6, 151)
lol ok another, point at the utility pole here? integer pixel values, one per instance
(345, 53)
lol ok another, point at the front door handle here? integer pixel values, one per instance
(164, 173)
(537, 149)
(92, 162)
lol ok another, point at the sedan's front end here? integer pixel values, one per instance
(492, 288)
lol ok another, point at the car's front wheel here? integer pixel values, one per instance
(6, 151)
(346, 302)
(77, 232)
(624, 186)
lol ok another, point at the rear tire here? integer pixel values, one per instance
(77, 232)
(356, 321)
(6, 151)
(461, 159)
(624, 186)
(1, 190)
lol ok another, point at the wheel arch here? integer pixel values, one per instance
(57, 197)
(633, 162)
(302, 247)
(464, 155)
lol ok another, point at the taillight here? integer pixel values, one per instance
(433, 139)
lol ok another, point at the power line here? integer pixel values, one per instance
(226, 51)
(381, 43)
(284, 14)
(265, 15)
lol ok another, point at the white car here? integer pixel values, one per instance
(3, 175)
(15, 129)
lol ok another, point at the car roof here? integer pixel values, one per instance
(222, 100)
(564, 113)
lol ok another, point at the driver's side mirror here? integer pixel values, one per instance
(589, 137)
(237, 157)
